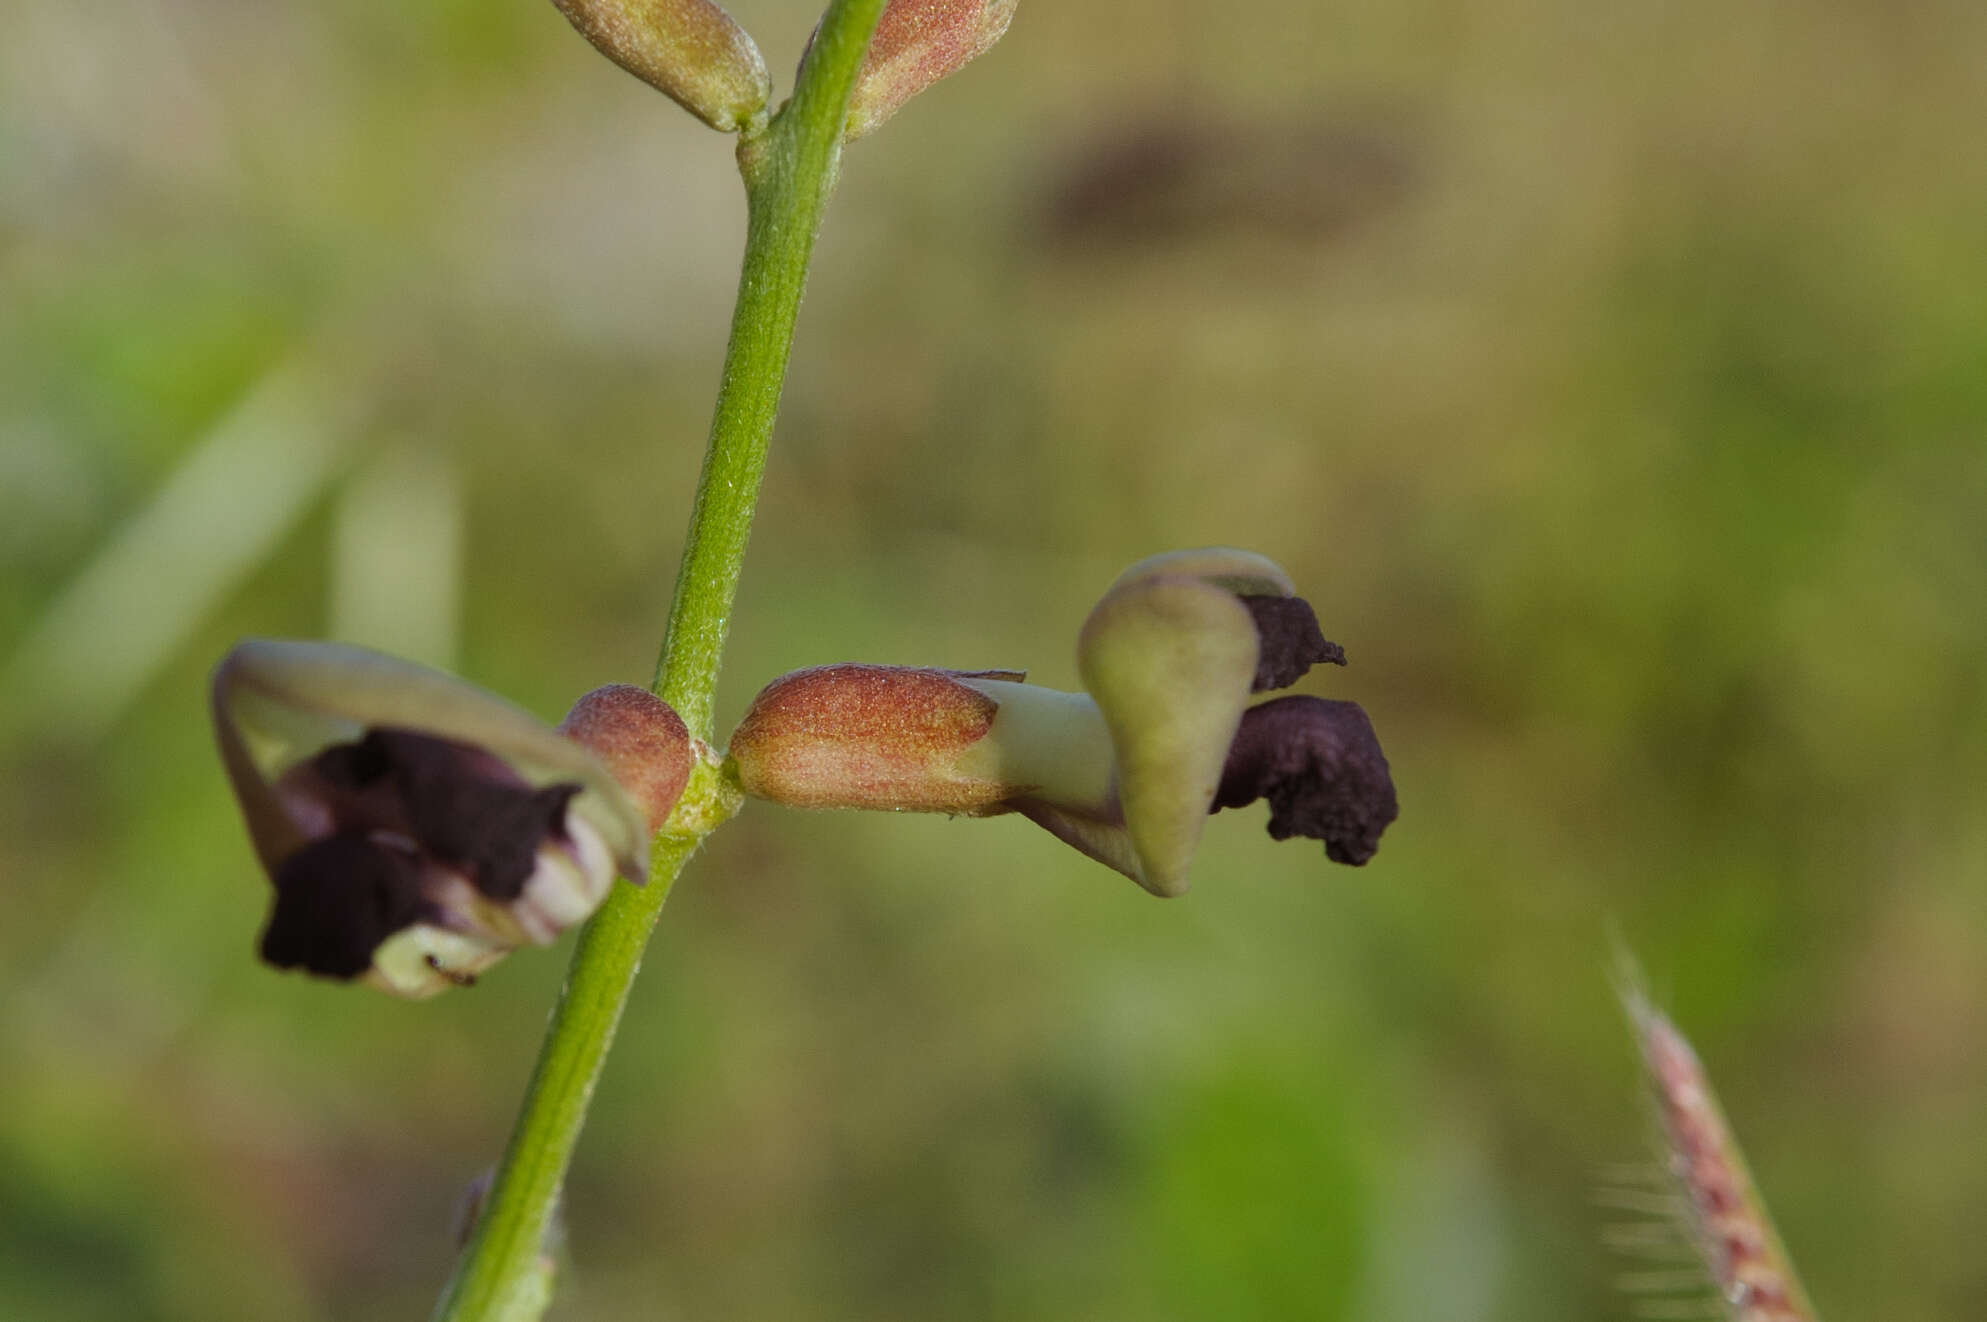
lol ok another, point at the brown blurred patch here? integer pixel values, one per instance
(1173, 174)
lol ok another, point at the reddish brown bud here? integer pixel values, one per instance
(860, 736)
(918, 42)
(639, 738)
(689, 50)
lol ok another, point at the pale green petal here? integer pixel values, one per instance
(1045, 744)
(424, 960)
(1242, 572)
(1170, 660)
(1105, 840)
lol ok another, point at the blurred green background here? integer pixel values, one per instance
(1613, 378)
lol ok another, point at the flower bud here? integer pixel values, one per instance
(916, 43)
(416, 827)
(639, 738)
(692, 51)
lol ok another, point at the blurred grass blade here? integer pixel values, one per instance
(396, 557)
(219, 514)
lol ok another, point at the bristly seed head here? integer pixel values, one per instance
(1740, 1250)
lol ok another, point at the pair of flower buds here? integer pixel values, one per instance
(418, 828)
(696, 54)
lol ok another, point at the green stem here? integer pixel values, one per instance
(789, 173)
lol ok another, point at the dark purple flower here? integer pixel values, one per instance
(417, 829)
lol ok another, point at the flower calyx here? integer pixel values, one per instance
(894, 738)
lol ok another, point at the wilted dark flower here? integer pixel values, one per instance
(1319, 764)
(1126, 772)
(417, 828)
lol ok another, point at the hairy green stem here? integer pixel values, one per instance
(789, 173)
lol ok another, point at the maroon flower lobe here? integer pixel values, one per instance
(384, 809)
(1292, 642)
(463, 806)
(336, 900)
(1319, 764)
